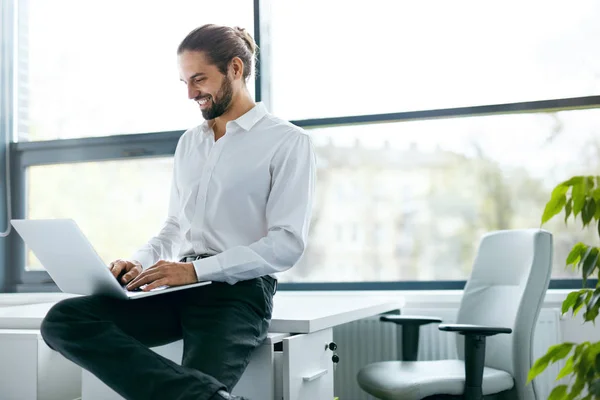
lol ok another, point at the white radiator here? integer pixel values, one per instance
(366, 341)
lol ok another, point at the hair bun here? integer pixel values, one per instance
(246, 37)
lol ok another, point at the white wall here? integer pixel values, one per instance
(574, 330)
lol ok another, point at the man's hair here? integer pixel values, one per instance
(221, 44)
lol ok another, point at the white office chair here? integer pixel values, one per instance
(502, 299)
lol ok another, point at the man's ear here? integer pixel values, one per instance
(236, 66)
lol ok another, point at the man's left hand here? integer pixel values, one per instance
(164, 273)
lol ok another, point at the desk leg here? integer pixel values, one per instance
(307, 366)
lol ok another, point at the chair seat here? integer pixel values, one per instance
(415, 380)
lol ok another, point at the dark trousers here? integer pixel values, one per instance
(220, 324)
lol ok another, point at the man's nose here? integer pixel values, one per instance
(192, 93)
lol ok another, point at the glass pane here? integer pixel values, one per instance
(338, 58)
(110, 67)
(119, 205)
(410, 200)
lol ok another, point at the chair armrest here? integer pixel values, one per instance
(474, 353)
(409, 319)
(465, 329)
(409, 340)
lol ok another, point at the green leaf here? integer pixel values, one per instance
(576, 252)
(554, 353)
(593, 207)
(589, 263)
(579, 349)
(589, 183)
(576, 180)
(590, 314)
(579, 302)
(597, 214)
(598, 222)
(538, 367)
(553, 207)
(568, 208)
(593, 308)
(584, 256)
(597, 362)
(595, 194)
(559, 190)
(569, 302)
(566, 370)
(558, 393)
(585, 363)
(562, 350)
(577, 387)
(578, 194)
(588, 211)
(595, 387)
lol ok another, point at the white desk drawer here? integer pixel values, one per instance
(307, 366)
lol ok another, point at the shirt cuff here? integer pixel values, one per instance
(209, 269)
(144, 258)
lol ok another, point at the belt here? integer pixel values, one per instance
(195, 257)
(272, 281)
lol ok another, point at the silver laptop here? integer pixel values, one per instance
(72, 262)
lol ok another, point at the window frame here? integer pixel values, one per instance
(14, 277)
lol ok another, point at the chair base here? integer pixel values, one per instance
(506, 395)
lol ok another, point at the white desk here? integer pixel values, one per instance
(293, 312)
(293, 364)
(304, 313)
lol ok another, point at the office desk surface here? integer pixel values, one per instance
(305, 313)
(292, 313)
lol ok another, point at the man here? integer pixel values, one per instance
(239, 212)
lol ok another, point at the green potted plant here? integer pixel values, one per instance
(579, 197)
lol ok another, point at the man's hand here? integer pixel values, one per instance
(165, 273)
(127, 270)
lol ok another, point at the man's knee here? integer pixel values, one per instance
(58, 319)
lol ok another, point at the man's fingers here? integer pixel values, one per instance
(116, 268)
(144, 278)
(130, 275)
(155, 284)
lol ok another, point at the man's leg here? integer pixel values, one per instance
(222, 324)
(111, 339)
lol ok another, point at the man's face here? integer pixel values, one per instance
(207, 86)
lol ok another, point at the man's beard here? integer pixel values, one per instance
(221, 101)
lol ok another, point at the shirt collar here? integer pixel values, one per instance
(246, 121)
(255, 114)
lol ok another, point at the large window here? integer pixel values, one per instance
(96, 68)
(433, 122)
(336, 58)
(118, 205)
(410, 200)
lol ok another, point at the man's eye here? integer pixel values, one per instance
(199, 80)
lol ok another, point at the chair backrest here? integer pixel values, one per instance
(506, 288)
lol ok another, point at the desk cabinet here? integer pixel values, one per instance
(30, 370)
(288, 366)
(285, 367)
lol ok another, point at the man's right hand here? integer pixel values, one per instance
(125, 270)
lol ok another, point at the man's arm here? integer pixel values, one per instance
(288, 212)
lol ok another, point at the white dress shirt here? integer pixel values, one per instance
(246, 198)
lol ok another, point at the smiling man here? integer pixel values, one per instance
(239, 212)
